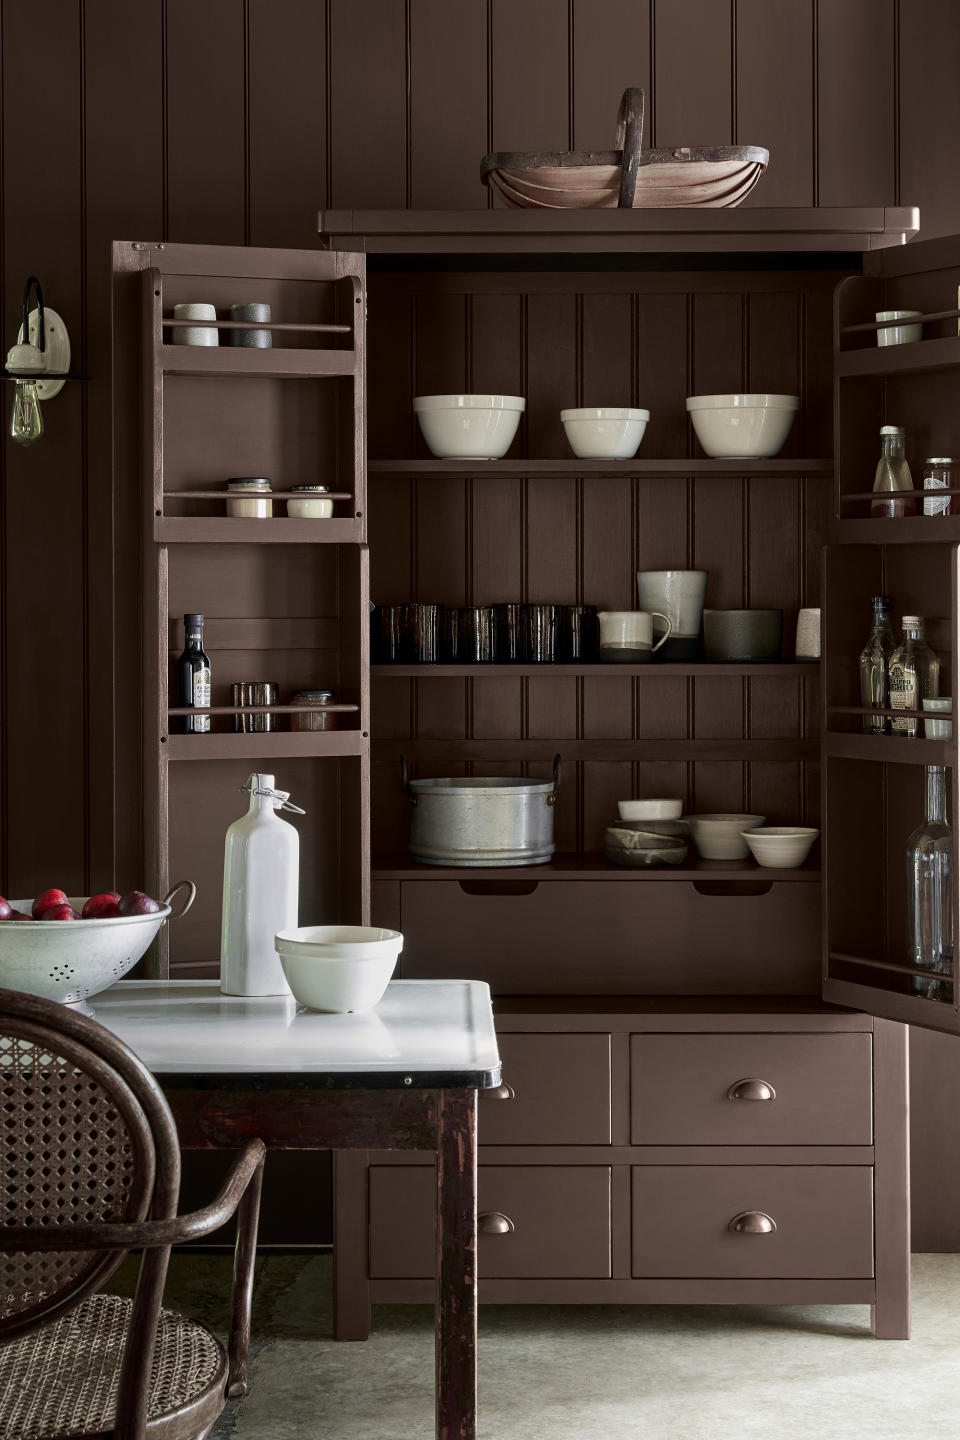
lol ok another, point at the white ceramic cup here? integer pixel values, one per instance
(941, 729)
(678, 594)
(195, 334)
(898, 334)
(627, 635)
(808, 635)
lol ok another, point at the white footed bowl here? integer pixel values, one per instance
(338, 967)
(781, 847)
(742, 427)
(650, 809)
(605, 432)
(469, 427)
(720, 837)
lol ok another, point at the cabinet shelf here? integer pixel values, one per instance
(592, 865)
(236, 362)
(600, 749)
(918, 358)
(217, 529)
(277, 745)
(893, 749)
(916, 530)
(651, 670)
(601, 469)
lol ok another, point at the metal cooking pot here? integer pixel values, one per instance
(482, 820)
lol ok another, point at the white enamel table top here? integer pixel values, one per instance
(437, 1032)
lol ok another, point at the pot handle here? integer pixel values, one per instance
(403, 781)
(552, 797)
(191, 890)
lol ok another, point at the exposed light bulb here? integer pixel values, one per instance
(26, 421)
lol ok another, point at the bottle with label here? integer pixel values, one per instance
(194, 676)
(929, 893)
(892, 476)
(914, 676)
(261, 880)
(875, 665)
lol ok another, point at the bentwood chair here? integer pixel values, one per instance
(90, 1171)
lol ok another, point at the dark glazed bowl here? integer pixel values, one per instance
(742, 636)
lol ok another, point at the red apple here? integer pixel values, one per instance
(101, 907)
(6, 909)
(47, 898)
(60, 912)
(137, 903)
(19, 915)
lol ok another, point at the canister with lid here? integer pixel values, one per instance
(312, 719)
(309, 502)
(249, 497)
(940, 472)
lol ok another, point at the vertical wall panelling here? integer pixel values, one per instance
(857, 97)
(448, 103)
(775, 95)
(368, 103)
(530, 60)
(693, 56)
(929, 111)
(611, 50)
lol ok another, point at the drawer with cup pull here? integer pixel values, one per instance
(753, 1222)
(555, 1091)
(771, 1089)
(534, 1221)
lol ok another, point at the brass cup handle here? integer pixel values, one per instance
(751, 1089)
(491, 1222)
(499, 1092)
(752, 1222)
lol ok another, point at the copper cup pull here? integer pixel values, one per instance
(491, 1222)
(751, 1089)
(752, 1222)
(499, 1092)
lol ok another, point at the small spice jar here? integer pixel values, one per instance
(249, 497)
(940, 472)
(309, 502)
(310, 719)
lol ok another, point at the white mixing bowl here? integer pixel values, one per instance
(742, 427)
(469, 427)
(605, 432)
(338, 967)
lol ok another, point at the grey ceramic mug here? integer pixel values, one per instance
(679, 594)
(253, 339)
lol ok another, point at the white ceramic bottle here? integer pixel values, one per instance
(261, 878)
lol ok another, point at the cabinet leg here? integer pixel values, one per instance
(351, 1288)
(890, 1320)
(457, 1266)
(890, 1315)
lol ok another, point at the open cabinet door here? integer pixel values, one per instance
(874, 784)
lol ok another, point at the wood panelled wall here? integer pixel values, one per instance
(233, 121)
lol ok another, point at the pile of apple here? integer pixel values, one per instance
(54, 905)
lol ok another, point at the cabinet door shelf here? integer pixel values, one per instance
(919, 358)
(898, 749)
(224, 495)
(233, 362)
(940, 530)
(280, 530)
(276, 745)
(263, 709)
(310, 327)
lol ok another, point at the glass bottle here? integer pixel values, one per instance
(875, 663)
(194, 676)
(893, 475)
(929, 903)
(261, 880)
(914, 676)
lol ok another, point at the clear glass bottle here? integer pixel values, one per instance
(914, 677)
(875, 665)
(929, 902)
(893, 475)
(193, 669)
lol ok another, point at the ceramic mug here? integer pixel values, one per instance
(899, 334)
(196, 334)
(253, 339)
(626, 636)
(678, 594)
(808, 635)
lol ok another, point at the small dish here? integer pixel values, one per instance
(605, 432)
(650, 809)
(780, 847)
(469, 427)
(640, 843)
(720, 837)
(337, 968)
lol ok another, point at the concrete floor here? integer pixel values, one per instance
(589, 1373)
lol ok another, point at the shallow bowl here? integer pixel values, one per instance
(338, 967)
(605, 432)
(650, 809)
(742, 427)
(634, 844)
(720, 837)
(780, 847)
(469, 427)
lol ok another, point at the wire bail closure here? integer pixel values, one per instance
(282, 795)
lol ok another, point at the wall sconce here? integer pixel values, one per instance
(39, 365)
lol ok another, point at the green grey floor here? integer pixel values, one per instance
(589, 1373)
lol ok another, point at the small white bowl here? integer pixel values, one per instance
(338, 967)
(720, 837)
(469, 427)
(650, 809)
(605, 432)
(780, 847)
(742, 427)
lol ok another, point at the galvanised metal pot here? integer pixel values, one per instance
(482, 820)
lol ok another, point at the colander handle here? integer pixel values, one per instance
(191, 890)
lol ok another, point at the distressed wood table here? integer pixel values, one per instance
(402, 1077)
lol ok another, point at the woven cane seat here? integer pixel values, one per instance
(62, 1380)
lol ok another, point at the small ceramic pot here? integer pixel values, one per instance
(254, 339)
(679, 595)
(196, 334)
(898, 334)
(808, 635)
(626, 636)
(742, 636)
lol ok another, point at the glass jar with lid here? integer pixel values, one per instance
(940, 472)
(310, 718)
(249, 497)
(309, 502)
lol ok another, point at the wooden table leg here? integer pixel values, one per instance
(457, 1266)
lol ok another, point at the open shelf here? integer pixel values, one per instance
(581, 468)
(212, 530)
(916, 530)
(651, 670)
(603, 749)
(594, 866)
(919, 358)
(893, 749)
(277, 745)
(234, 361)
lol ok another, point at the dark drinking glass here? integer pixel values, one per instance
(509, 638)
(540, 633)
(579, 639)
(476, 634)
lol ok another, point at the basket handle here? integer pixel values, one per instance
(191, 890)
(630, 143)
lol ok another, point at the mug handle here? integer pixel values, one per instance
(666, 634)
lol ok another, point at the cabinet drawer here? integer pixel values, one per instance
(684, 1088)
(561, 1092)
(560, 937)
(560, 1215)
(823, 1216)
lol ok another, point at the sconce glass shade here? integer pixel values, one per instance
(26, 421)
